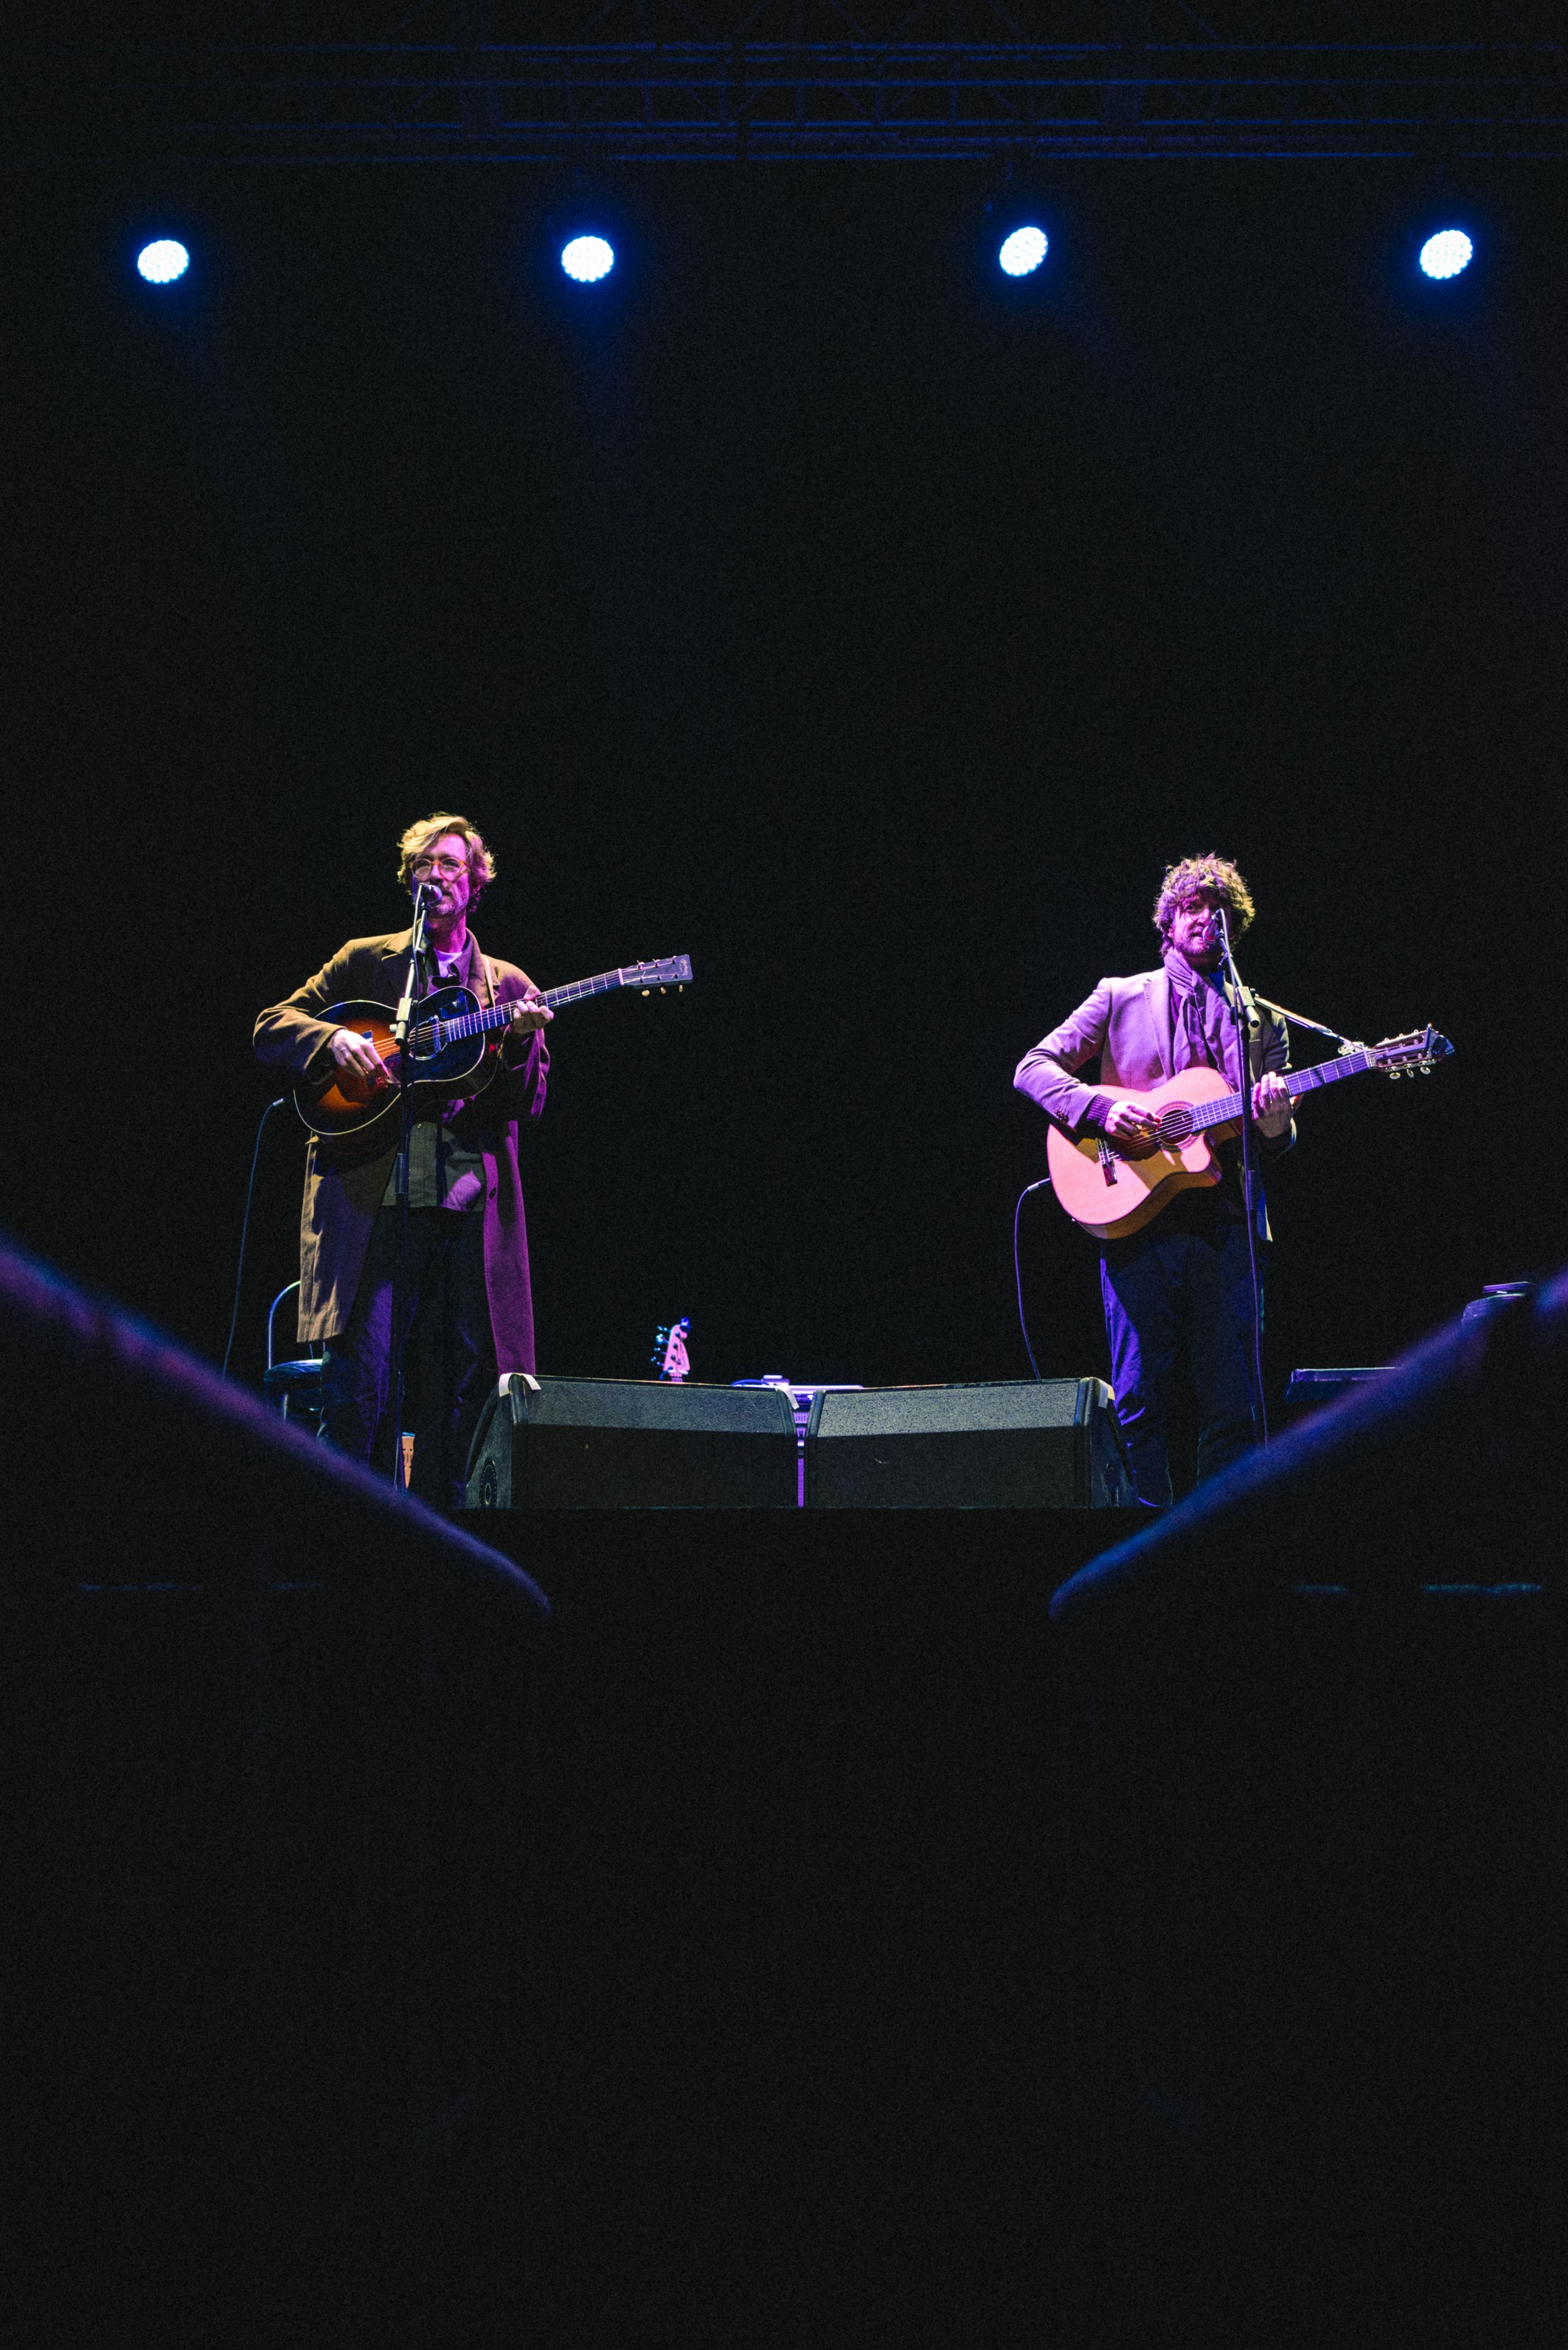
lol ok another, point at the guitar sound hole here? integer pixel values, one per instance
(1175, 1126)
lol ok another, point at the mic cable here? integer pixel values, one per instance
(281, 1103)
(1043, 1185)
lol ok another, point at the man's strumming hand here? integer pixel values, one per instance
(1131, 1125)
(351, 1050)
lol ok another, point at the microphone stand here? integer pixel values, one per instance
(1243, 1013)
(402, 1032)
(1299, 1020)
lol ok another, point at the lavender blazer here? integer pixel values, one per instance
(1127, 1023)
(344, 1182)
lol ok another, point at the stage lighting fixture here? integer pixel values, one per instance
(587, 259)
(162, 261)
(1025, 250)
(1445, 255)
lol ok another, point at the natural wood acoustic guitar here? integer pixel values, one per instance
(1112, 1191)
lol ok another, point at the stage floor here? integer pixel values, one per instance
(1042, 1546)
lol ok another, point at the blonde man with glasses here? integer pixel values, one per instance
(469, 1293)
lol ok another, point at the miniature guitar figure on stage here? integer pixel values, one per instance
(1175, 1263)
(469, 1308)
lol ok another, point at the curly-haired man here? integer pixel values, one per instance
(1185, 1278)
(468, 1245)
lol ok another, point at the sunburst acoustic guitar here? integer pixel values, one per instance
(1111, 1191)
(447, 1037)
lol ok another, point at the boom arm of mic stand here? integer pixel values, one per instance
(1299, 1020)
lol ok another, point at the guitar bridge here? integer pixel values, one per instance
(1108, 1158)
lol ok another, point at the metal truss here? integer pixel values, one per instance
(647, 80)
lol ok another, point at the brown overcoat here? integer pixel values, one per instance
(344, 1182)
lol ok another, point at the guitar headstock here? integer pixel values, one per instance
(674, 970)
(1414, 1055)
(669, 1351)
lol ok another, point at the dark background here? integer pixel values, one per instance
(808, 600)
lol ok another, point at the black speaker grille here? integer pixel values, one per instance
(630, 1444)
(1016, 1444)
(951, 1410)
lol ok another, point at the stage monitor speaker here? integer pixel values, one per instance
(1310, 1391)
(632, 1444)
(1045, 1444)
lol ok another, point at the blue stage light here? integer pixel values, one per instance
(162, 261)
(1025, 250)
(587, 259)
(1445, 255)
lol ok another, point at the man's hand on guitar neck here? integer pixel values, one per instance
(533, 1012)
(530, 1011)
(1272, 1106)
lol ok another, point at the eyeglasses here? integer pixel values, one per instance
(448, 865)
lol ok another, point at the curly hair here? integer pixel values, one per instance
(419, 837)
(1215, 874)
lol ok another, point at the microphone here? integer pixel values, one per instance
(417, 940)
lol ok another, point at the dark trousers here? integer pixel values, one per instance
(450, 1351)
(1187, 1279)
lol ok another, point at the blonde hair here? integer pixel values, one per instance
(419, 836)
(1183, 882)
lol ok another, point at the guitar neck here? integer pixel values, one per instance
(603, 983)
(1297, 1081)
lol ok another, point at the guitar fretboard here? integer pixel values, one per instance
(434, 1036)
(1298, 1081)
(602, 983)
